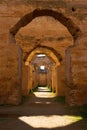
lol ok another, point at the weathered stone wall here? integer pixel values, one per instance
(35, 79)
(73, 14)
(49, 77)
(42, 79)
(77, 88)
(25, 79)
(77, 80)
(10, 74)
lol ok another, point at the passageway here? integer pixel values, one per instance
(44, 31)
(41, 70)
(42, 95)
(52, 39)
(41, 112)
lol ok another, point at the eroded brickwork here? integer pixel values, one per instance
(10, 74)
(58, 24)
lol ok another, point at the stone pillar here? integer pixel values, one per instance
(55, 78)
(76, 93)
(35, 78)
(25, 70)
(49, 77)
(30, 74)
(53, 81)
(10, 74)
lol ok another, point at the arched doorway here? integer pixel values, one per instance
(72, 28)
(55, 60)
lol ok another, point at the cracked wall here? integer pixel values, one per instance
(73, 15)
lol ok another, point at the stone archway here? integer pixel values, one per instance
(67, 22)
(72, 28)
(53, 55)
(76, 56)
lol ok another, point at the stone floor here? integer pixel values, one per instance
(40, 111)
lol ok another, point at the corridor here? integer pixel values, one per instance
(42, 95)
(40, 111)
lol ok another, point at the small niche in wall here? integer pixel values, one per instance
(73, 9)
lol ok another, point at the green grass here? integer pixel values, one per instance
(49, 88)
(54, 91)
(33, 90)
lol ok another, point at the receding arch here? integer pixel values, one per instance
(72, 28)
(55, 56)
(56, 59)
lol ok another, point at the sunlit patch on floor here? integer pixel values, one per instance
(41, 102)
(43, 92)
(44, 95)
(52, 121)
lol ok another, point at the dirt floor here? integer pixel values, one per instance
(41, 111)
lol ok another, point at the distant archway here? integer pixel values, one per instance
(50, 52)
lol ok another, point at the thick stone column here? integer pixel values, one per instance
(49, 77)
(53, 75)
(76, 93)
(30, 76)
(25, 70)
(10, 74)
(35, 79)
(55, 78)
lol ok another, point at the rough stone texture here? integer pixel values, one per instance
(76, 74)
(42, 79)
(10, 74)
(25, 77)
(48, 32)
(29, 37)
(78, 77)
(42, 75)
(35, 79)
